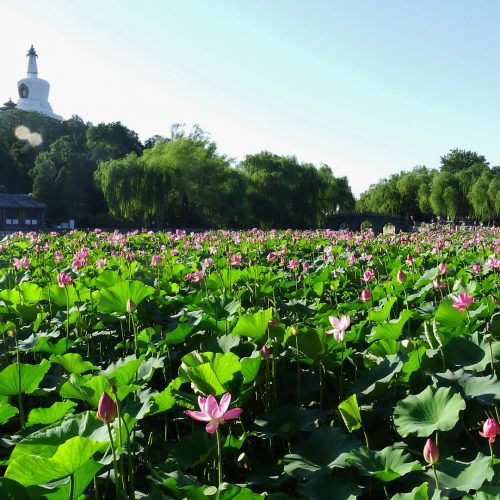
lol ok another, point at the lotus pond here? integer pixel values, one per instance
(242, 365)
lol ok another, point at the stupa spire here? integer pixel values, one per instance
(32, 67)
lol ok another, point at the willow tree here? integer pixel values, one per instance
(134, 190)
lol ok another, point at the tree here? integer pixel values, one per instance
(460, 159)
(111, 141)
(184, 182)
(63, 178)
(445, 195)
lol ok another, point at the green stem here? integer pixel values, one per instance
(67, 313)
(366, 436)
(341, 371)
(115, 467)
(20, 395)
(71, 486)
(120, 441)
(491, 452)
(435, 477)
(299, 398)
(320, 386)
(219, 458)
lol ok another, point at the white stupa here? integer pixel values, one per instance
(33, 91)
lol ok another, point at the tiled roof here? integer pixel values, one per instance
(19, 201)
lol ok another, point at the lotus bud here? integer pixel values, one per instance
(490, 429)
(431, 452)
(12, 332)
(106, 410)
(131, 307)
(272, 323)
(295, 330)
(265, 352)
(401, 276)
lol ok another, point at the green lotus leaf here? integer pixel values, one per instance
(31, 375)
(387, 465)
(7, 411)
(431, 410)
(114, 300)
(73, 363)
(349, 410)
(253, 325)
(377, 379)
(46, 416)
(321, 488)
(325, 449)
(70, 456)
(457, 478)
(250, 367)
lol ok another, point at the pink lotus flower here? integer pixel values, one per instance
(100, 263)
(476, 268)
(366, 295)
(106, 410)
(271, 256)
(438, 284)
(213, 413)
(493, 263)
(156, 259)
(22, 263)
(490, 429)
(431, 452)
(58, 256)
(368, 275)
(237, 259)
(441, 269)
(293, 264)
(306, 266)
(195, 277)
(64, 279)
(339, 327)
(462, 301)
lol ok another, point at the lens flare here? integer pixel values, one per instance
(35, 139)
(22, 132)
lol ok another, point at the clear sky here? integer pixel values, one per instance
(368, 87)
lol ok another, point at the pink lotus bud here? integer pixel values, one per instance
(490, 429)
(431, 452)
(272, 323)
(441, 269)
(401, 276)
(366, 295)
(265, 352)
(476, 268)
(106, 410)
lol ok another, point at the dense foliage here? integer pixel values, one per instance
(313, 364)
(91, 173)
(464, 187)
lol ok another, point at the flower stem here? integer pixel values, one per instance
(435, 477)
(20, 395)
(299, 398)
(71, 486)
(219, 458)
(491, 451)
(341, 371)
(115, 467)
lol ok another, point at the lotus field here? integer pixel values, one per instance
(241, 365)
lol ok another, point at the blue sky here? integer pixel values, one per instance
(368, 87)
